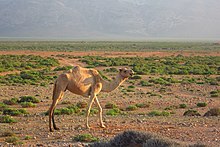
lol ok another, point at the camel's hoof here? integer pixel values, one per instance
(103, 126)
(51, 130)
(88, 127)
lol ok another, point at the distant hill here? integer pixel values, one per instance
(109, 19)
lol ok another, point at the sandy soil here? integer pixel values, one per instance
(205, 130)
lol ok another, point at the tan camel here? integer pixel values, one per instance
(87, 83)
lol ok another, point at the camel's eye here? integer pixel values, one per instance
(125, 71)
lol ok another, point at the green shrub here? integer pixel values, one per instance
(213, 112)
(131, 86)
(143, 105)
(113, 112)
(3, 106)
(136, 77)
(29, 99)
(12, 101)
(214, 93)
(63, 68)
(191, 112)
(202, 104)
(182, 106)
(94, 111)
(145, 83)
(14, 112)
(131, 108)
(7, 119)
(85, 138)
(159, 113)
(14, 140)
(27, 137)
(27, 104)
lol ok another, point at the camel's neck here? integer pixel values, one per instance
(112, 85)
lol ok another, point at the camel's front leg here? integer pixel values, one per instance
(100, 113)
(88, 110)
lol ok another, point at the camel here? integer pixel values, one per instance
(87, 83)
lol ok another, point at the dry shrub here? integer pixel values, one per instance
(140, 139)
(213, 112)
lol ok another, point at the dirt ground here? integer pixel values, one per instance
(205, 130)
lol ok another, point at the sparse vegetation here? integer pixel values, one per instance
(27, 104)
(191, 112)
(131, 108)
(85, 138)
(113, 112)
(158, 113)
(7, 119)
(182, 106)
(201, 104)
(12, 101)
(142, 105)
(14, 140)
(14, 112)
(29, 99)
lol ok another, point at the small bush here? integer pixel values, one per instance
(14, 140)
(62, 68)
(159, 113)
(113, 112)
(131, 86)
(12, 101)
(139, 139)
(14, 112)
(27, 137)
(82, 104)
(213, 112)
(182, 106)
(131, 108)
(85, 138)
(214, 93)
(7, 119)
(136, 77)
(145, 83)
(28, 104)
(3, 106)
(29, 99)
(202, 104)
(191, 113)
(110, 106)
(142, 105)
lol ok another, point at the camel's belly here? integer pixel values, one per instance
(79, 89)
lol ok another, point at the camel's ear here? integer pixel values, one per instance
(120, 69)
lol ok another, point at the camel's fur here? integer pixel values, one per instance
(87, 83)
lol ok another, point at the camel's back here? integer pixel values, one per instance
(81, 79)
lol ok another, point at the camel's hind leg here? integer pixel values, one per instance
(100, 113)
(58, 93)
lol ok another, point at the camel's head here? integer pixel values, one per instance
(126, 73)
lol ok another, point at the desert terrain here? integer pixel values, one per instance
(137, 103)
